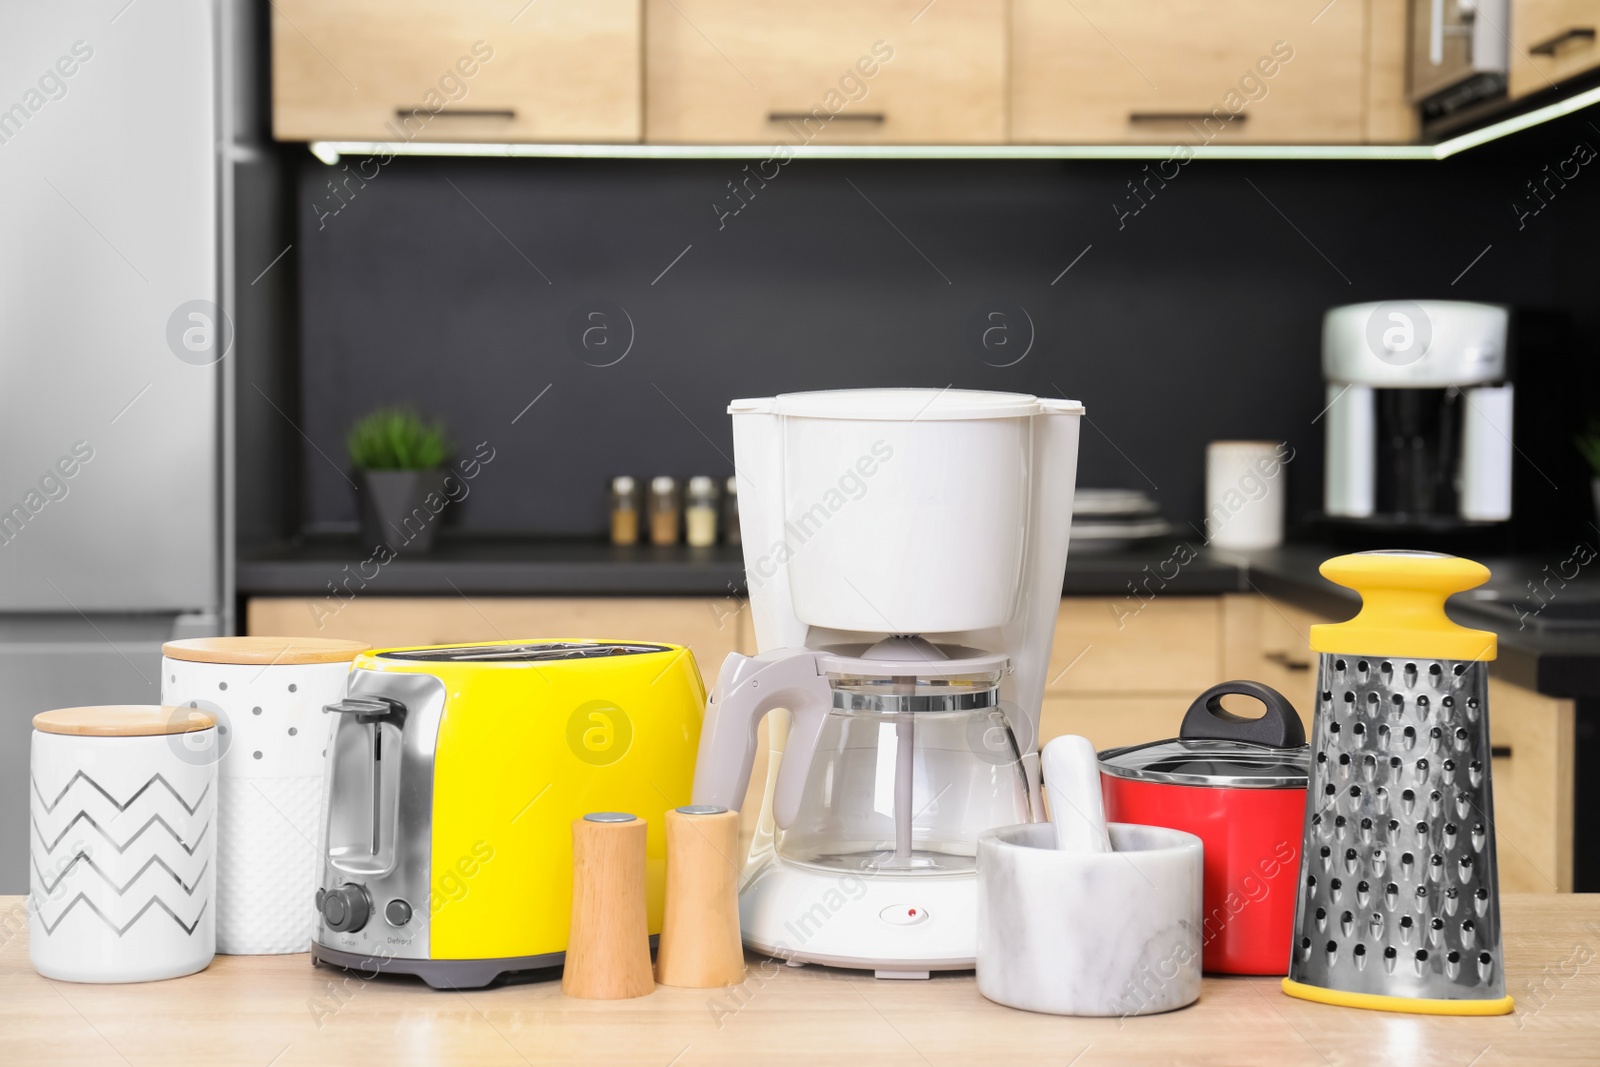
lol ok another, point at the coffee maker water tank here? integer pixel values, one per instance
(1418, 411)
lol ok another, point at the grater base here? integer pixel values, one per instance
(1412, 1005)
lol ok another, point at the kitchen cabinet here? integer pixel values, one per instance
(1190, 72)
(1124, 645)
(825, 72)
(1534, 743)
(474, 70)
(1551, 41)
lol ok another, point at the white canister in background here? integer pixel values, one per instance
(122, 802)
(1245, 485)
(267, 694)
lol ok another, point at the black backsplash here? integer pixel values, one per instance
(463, 286)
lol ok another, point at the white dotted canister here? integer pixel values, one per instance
(122, 838)
(267, 694)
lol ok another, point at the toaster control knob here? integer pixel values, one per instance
(398, 913)
(346, 909)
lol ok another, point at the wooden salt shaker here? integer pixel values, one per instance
(700, 947)
(608, 949)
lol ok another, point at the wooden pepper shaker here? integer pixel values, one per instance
(700, 947)
(608, 948)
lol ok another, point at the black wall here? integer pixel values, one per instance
(460, 286)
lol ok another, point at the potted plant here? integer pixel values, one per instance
(1588, 443)
(397, 457)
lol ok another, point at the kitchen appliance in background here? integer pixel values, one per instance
(1240, 786)
(455, 775)
(1419, 422)
(905, 551)
(1460, 50)
(1115, 520)
(1399, 903)
(113, 476)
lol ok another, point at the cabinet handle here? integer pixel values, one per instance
(461, 113)
(1571, 33)
(1180, 116)
(1282, 659)
(876, 117)
(1499, 751)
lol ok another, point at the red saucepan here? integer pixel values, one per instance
(1240, 786)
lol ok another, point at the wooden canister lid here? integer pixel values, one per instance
(123, 720)
(266, 651)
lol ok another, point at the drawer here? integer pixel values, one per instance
(1551, 40)
(473, 70)
(1124, 645)
(1533, 788)
(1187, 72)
(707, 626)
(774, 72)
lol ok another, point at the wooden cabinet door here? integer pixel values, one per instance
(1551, 40)
(1188, 72)
(1533, 738)
(1166, 644)
(710, 627)
(1268, 641)
(774, 72)
(471, 70)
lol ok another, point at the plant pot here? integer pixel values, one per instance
(394, 509)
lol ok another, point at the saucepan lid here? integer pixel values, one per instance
(1214, 747)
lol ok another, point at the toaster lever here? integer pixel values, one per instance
(370, 709)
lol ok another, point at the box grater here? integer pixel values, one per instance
(1399, 905)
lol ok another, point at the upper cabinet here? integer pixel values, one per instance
(1188, 71)
(1551, 40)
(469, 70)
(825, 71)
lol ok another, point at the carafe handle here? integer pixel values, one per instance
(747, 688)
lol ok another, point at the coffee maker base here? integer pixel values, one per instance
(899, 926)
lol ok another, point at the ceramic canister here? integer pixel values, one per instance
(122, 802)
(267, 694)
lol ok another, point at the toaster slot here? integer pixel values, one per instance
(363, 815)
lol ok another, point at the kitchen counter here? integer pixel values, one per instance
(278, 1011)
(520, 566)
(1549, 643)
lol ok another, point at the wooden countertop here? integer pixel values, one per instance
(278, 1011)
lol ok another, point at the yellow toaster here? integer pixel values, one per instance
(454, 774)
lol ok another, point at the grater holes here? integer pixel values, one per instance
(1422, 829)
(1327, 696)
(1338, 665)
(1389, 955)
(1475, 773)
(1333, 727)
(1322, 918)
(1406, 860)
(1408, 737)
(1447, 701)
(1305, 948)
(1394, 827)
(1386, 667)
(1363, 892)
(1452, 963)
(1459, 669)
(1333, 952)
(1421, 960)
(1478, 837)
(1421, 770)
(1344, 757)
(1359, 954)
(1334, 885)
(1349, 696)
(1359, 729)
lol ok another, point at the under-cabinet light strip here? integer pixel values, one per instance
(330, 152)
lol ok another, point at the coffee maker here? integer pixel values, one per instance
(904, 550)
(1419, 419)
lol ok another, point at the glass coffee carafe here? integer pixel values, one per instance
(908, 771)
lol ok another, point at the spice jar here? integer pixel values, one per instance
(664, 510)
(730, 511)
(700, 512)
(624, 511)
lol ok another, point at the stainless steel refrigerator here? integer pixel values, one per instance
(113, 368)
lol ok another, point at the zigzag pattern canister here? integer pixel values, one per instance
(122, 856)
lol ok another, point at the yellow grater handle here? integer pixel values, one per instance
(1402, 607)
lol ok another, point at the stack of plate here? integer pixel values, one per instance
(1109, 520)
